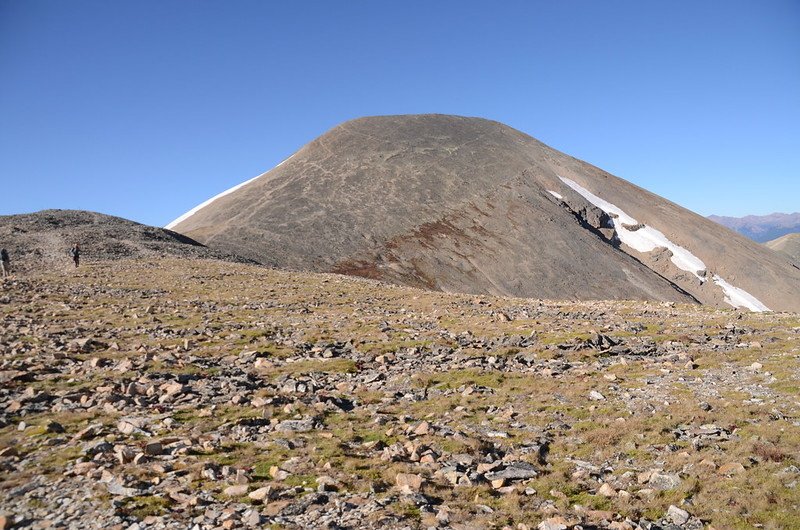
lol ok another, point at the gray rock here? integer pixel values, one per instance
(55, 427)
(594, 395)
(115, 487)
(553, 523)
(238, 490)
(153, 449)
(514, 471)
(304, 425)
(97, 447)
(677, 516)
(664, 481)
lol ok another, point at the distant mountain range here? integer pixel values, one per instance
(761, 228)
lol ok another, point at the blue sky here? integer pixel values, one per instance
(145, 108)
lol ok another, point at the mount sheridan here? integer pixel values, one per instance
(470, 205)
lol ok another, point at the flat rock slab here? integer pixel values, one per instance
(515, 471)
(306, 425)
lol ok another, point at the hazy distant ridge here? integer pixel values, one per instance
(761, 228)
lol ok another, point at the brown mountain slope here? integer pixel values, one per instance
(466, 204)
(43, 239)
(788, 244)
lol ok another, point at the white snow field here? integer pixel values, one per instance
(647, 239)
(739, 297)
(215, 197)
(555, 194)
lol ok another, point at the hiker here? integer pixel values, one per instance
(6, 263)
(75, 252)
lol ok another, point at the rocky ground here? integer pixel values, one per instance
(42, 240)
(203, 394)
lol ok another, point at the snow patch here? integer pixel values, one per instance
(555, 194)
(646, 239)
(739, 297)
(206, 203)
(215, 197)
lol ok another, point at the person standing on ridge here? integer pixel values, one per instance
(5, 262)
(75, 252)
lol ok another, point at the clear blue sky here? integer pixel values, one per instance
(145, 108)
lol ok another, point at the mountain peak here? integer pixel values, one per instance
(467, 204)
